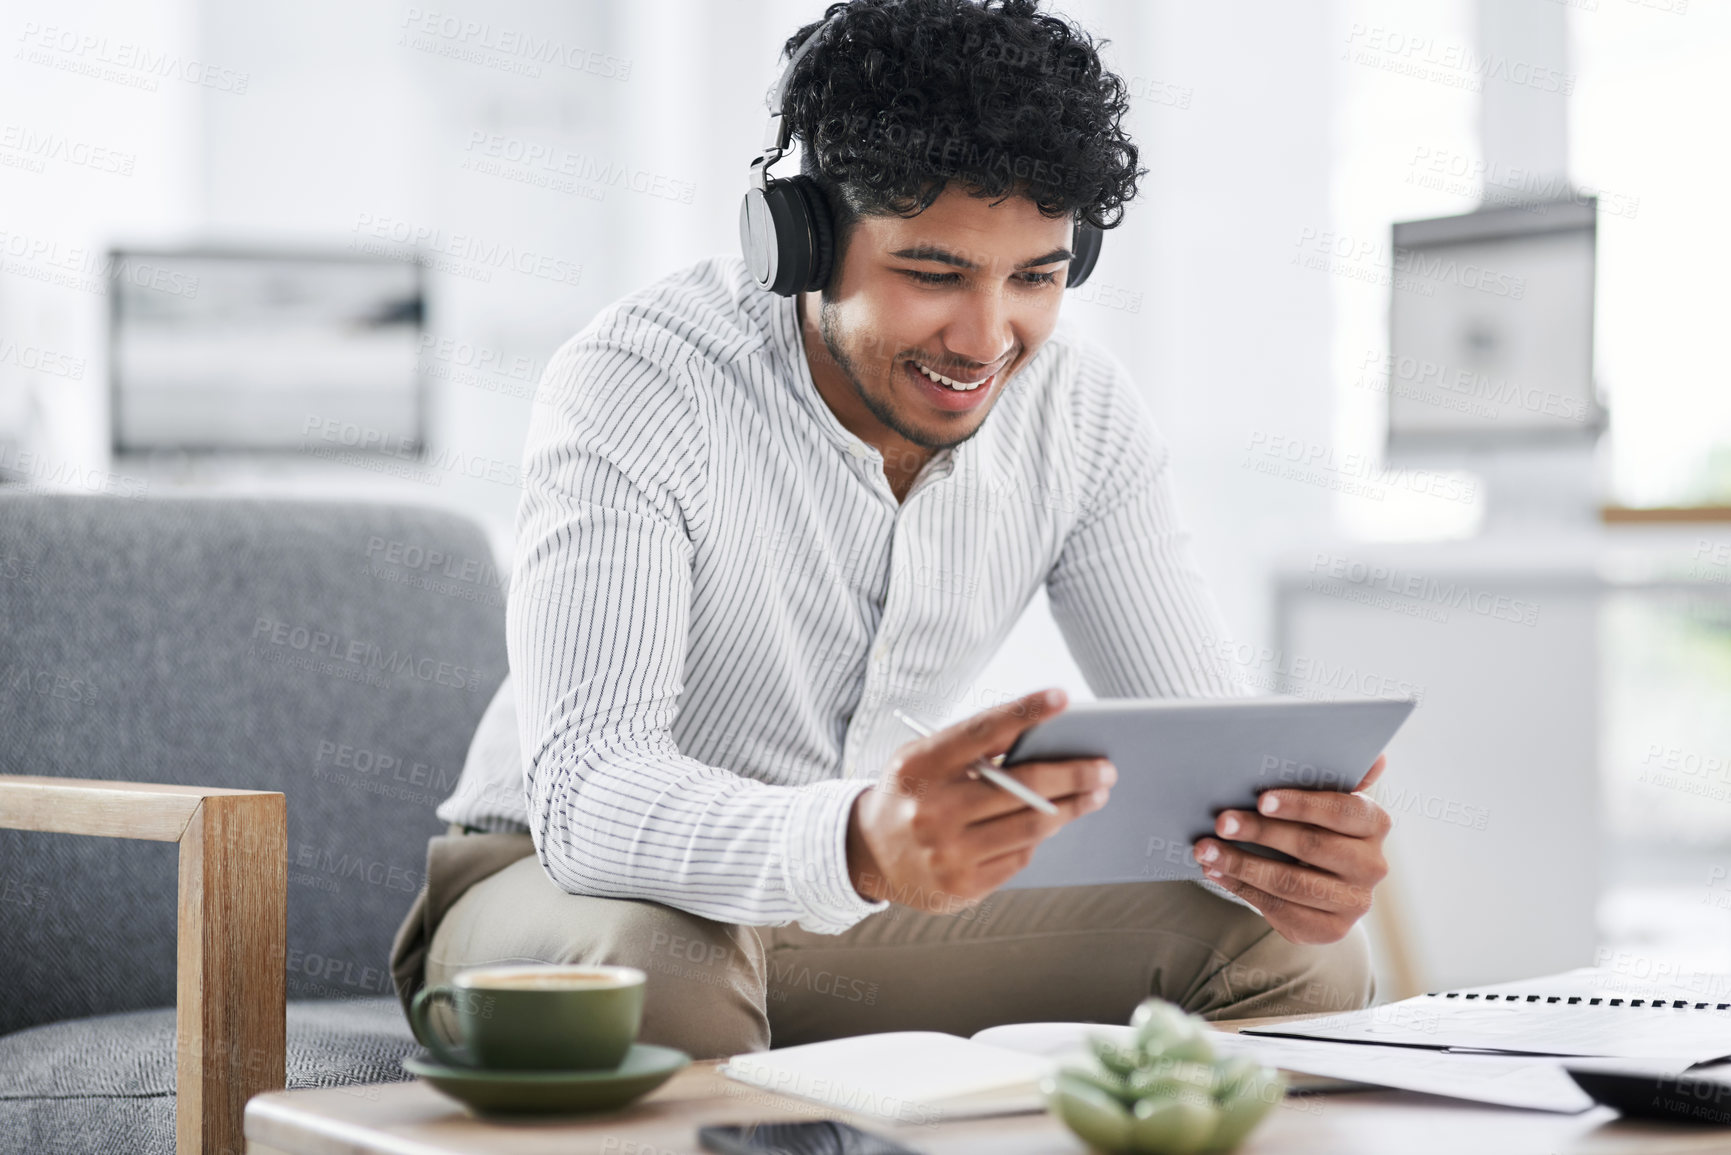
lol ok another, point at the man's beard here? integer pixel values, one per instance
(879, 408)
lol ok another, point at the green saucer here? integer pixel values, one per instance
(554, 1092)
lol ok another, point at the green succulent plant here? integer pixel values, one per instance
(1166, 1093)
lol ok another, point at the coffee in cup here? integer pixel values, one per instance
(534, 1017)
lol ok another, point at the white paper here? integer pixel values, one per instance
(1054, 1040)
(1509, 1081)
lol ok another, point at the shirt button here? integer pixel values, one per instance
(858, 452)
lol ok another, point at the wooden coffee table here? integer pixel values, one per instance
(414, 1119)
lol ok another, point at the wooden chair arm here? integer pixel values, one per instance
(232, 935)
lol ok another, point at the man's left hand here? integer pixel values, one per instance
(1337, 839)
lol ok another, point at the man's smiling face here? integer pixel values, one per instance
(968, 289)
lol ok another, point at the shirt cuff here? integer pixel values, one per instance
(814, 849)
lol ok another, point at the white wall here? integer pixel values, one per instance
(90, 149)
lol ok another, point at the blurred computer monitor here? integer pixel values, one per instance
(234, 350)
(1491, 329)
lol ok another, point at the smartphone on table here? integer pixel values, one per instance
(814, 1137)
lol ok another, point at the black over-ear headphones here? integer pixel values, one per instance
(785, 229)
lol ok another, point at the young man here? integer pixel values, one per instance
(753, 526)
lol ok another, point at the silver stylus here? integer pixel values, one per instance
(988, 771)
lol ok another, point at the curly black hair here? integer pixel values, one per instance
(899, 97)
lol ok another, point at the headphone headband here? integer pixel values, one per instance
(778, 134)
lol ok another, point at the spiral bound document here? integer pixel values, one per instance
(1585, 1013)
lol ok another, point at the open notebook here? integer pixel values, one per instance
(914, 1077)
(924, 1076)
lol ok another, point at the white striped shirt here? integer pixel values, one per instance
(717, 601)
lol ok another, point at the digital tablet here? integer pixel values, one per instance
(1180, 763)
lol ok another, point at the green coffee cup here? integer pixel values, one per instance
(534, 1017)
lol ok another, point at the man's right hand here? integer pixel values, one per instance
(929, 828)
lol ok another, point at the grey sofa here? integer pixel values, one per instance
(339, 654)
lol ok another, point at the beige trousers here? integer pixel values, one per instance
(1080, 954)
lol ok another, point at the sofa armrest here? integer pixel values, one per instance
(232, 940)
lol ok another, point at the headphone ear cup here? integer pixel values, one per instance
(822, 231)
(1085, 243)
(757, 237)
(788, 243)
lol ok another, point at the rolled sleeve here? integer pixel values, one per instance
(816, 856)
